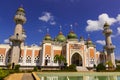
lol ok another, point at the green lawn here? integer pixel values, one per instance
(3, 73)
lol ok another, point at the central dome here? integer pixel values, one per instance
(60, 37)
(72, 35)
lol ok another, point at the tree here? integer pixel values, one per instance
(110, 65)
(100, 67)
(60, 59)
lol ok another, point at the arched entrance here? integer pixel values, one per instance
(76, 59)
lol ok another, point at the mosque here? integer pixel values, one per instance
(76, 51)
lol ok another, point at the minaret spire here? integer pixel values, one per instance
(20, 18)
(47, 30)
(71, 27)
(109, 47)
(88, 36)
(21, 5)
(60, 28)
(19, 35)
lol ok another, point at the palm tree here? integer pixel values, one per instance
(60, 59)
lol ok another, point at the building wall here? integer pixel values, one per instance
(36, 55)
(30, 56)
(4, 52)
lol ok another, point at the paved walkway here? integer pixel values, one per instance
(15, 76)
(27, 76)
(20, 76)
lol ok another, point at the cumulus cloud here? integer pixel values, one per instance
(96, 25)
(6, 41)
(117, 34)
(47, 17)
(102, 42)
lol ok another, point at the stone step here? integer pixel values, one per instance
(81, 68)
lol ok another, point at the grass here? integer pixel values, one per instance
(4, 73)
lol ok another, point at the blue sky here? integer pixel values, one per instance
(86, 17)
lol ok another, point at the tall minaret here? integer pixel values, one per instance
(109, 47)
(19, 35)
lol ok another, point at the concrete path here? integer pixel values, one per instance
(15, 76)
(27, 76)
(20, 76)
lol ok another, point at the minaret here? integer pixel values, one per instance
(19, 35)
(109, 47)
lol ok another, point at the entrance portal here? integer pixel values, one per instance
(76, 59)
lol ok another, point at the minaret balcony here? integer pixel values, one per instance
(107, 31)
(110, 47)
(21, 18)
(14, 38)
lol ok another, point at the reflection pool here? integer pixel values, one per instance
(79, 76)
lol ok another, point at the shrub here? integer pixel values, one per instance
(100, 67)
(9, 65)
(35, 68)
(65, 65)
(72, 67)
(17, 67)
(118, 68)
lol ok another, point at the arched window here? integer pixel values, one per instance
(92, 61)
(28, 59)
(20, 59)
(48, 58)
(1, 58)
(36, 60)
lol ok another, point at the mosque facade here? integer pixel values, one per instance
(76, 51)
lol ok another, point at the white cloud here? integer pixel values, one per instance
(6, 41)
(118, 17)
(117, 34)
(118, 30)
(47, 17)
(113, 35)
(52, 22)
(96, 25)
(93, 26)
(102, 42)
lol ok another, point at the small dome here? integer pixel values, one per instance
(72, 35)
(89, 41)
(21, 9)
(81, 38)
(60, 37)
(48, 37)
(106, 24)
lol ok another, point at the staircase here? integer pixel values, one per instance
(81, 68)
